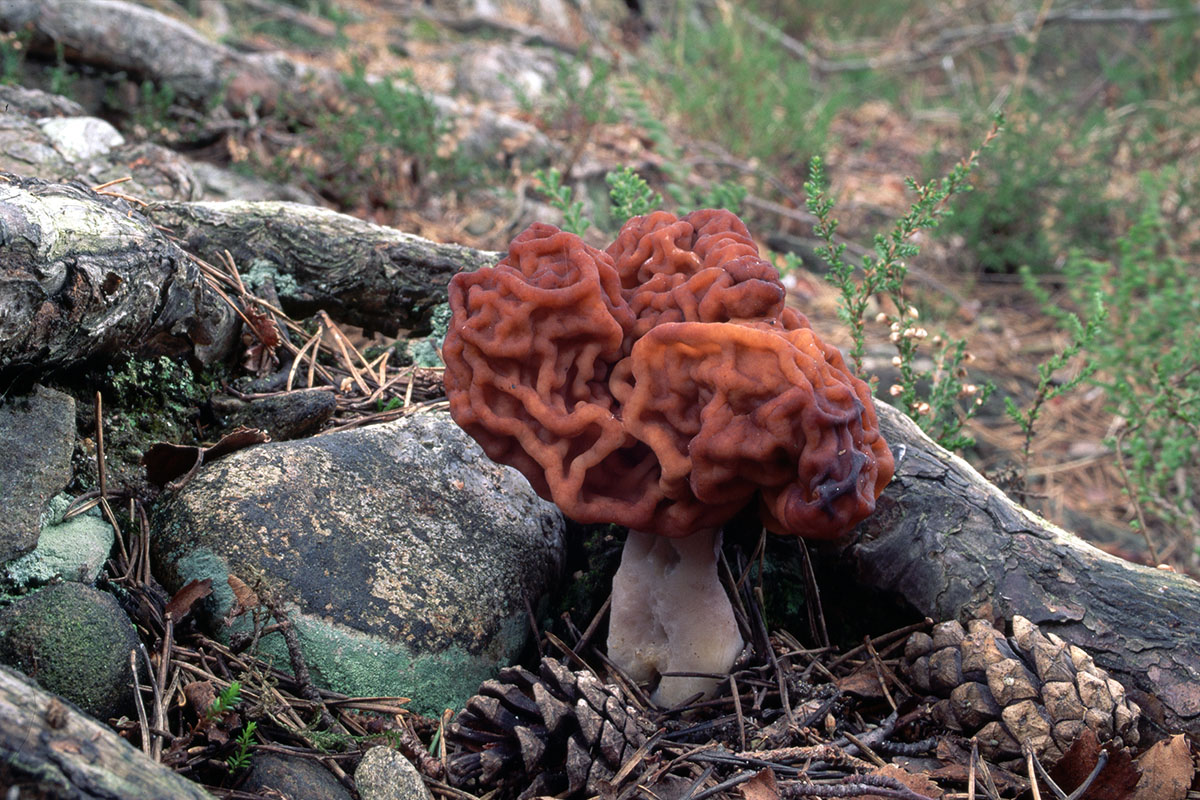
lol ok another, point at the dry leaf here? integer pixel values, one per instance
(761, 787)
(200, 696)
(1167, 770)
(863, 682)
(261, 340)
(244, 597)
(1115, 781)
(173, 465)
(181, 604)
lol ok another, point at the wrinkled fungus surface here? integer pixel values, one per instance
(661, 384)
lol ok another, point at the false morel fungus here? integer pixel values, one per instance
(663, 385)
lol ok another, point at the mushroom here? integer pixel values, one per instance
(663, 385)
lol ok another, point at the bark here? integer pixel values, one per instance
(88, 275)
(952, 545)
(364, 274)
(50, 749)
(148, 45)
(85, 275)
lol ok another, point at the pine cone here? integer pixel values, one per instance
(1030, 685)
(561, 732)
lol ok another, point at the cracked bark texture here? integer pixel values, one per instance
(368, 275)
(51, 749)
(83, 275)
(953, 546)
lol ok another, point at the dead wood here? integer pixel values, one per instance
(86, 275)
(952, 545)
(364, 274)
(148, 45)
(50, 749)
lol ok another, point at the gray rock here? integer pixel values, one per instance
(285, 415)
(293, 777)
(89, 150)
(73, 549)
(507, 75)
(81, 138)
(384, 774)
(218, 183)
(404, 554)
(35, 103)
(38, 432)
(75, 641)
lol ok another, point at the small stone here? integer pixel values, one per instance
(75, 641)
(38, 432)
(73, 550)
(274, 774)
(384, 774)
(81, 138)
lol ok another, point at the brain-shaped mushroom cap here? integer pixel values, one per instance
(661, 384)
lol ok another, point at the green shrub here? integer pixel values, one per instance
(1149, 365)
(381, 144)
(948, 402)
(14, 47)
(1047, 198)
(733, 84)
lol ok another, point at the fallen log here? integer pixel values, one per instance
(85, 274)
(954, 546)
(50, 749)
(367, 275)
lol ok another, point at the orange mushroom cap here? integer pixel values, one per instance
(661, 384)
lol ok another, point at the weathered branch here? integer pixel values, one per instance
(368, 275)
(86, 275)
(49, 749)
(951, 41)
(954, 546)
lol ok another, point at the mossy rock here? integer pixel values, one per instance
(75, 641)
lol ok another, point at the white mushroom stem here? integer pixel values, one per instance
(670, 613)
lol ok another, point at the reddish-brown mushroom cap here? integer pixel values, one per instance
(661, 384)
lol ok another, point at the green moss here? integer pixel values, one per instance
(74, 640)
(351, 662)
(425, 352)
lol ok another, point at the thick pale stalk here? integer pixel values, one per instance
(670, 613)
